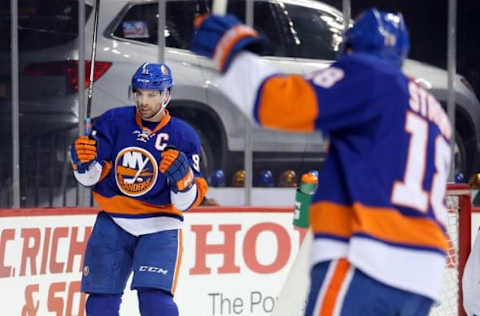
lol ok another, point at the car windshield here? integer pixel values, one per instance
(140, 23)
(41, 26)
(317, 33)
(291, 30)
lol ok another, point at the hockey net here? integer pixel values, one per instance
(459, 231)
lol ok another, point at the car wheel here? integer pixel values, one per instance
(212, 137)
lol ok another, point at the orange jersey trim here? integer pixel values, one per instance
(199, 19)
(166, 118)
(334, 287)
(107, 167)
(228, 42)
(202, 188)
(386, 224)
(288, 103)
(179, 261)
(126, 205)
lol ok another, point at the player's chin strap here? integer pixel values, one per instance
(165, 101)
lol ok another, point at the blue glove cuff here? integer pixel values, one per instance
(80, 167)
(243, 44)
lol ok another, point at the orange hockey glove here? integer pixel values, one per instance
(176, 166)
(83, 152)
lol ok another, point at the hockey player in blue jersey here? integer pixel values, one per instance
(378, 216)
(144, 166)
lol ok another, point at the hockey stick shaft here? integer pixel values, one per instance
(88, 120)
(293, 295)
(219, 7)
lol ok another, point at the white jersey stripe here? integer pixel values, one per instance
(142, 226)
(386, 263)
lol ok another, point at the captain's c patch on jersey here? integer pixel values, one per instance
(136, 171)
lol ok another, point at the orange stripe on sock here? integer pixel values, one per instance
(331, 295)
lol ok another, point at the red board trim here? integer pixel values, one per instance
(8, 212)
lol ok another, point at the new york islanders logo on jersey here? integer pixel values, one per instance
(136, 171)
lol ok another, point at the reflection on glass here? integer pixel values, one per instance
(316, 33)
(48, 105)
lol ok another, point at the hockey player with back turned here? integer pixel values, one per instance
(378, 216)
(144, 166)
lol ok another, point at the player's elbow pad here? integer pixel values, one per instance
(91, 176)
(184, 200)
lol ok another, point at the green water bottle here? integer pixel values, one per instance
(303, 198)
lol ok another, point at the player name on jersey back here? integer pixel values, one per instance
(424, 104)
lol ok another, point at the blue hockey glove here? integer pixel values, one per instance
(176, 166)
(82, 153)
(221, 37)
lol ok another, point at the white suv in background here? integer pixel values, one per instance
(303, 35)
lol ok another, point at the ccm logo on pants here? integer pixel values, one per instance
(152, 269)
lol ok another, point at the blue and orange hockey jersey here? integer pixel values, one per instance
(380, 197)
(131, 188)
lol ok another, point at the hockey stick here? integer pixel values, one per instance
(88, 120)
(219, 7)
(293, 295)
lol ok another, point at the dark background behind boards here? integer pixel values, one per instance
(427, 23)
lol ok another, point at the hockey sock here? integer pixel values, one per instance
(155, 302)
(103, 304)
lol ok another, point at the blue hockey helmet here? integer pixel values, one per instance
(264, 179)
(380, 33)
(152, 76)
(460, 178)
(217, 179)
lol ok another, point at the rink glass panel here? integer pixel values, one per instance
(48, 102)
